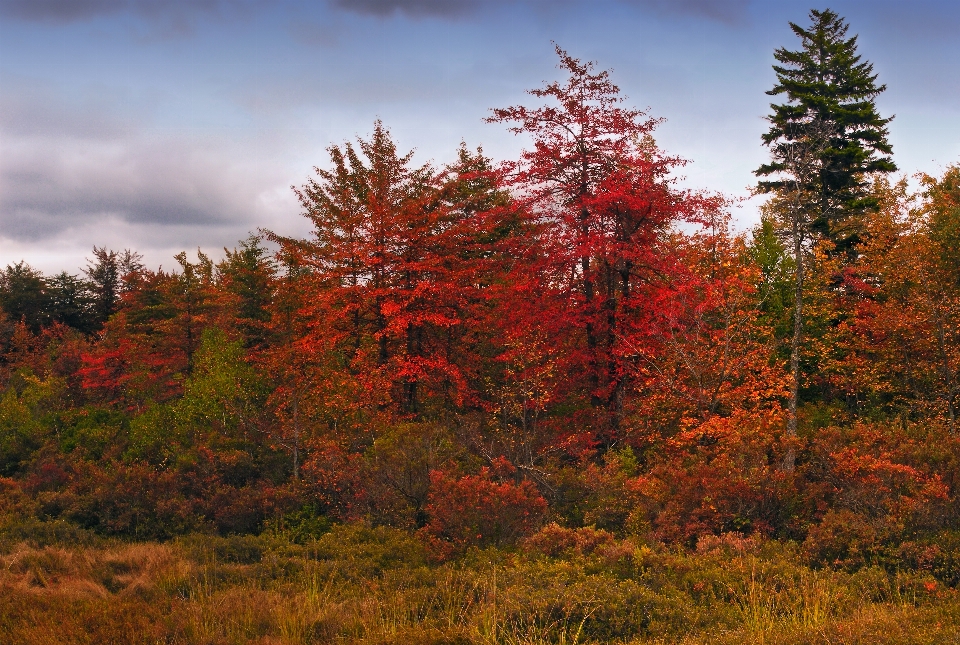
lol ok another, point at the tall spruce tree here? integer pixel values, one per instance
(825, 142)
(830, 96)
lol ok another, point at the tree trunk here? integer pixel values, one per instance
(296, 437)
(588, 293)
(789, 458)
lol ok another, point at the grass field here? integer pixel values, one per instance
(362, 585)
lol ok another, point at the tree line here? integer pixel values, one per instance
(471, 350)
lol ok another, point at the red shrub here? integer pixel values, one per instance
(478, 510)
(868, 470)
(555, 540)
(335, 478)
(720, 476)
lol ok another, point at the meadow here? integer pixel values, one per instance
(357, 584)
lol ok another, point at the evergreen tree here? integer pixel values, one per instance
(831, 97)
(108, 276)
(104, 278)
(825, 142)
(24, 296)
(70, 302)
(247, 274)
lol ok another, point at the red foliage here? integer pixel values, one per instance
(335, 479)
(478, 510)
(126, 370)
(545, 318)
(398, 268)
(602, 193)
(555, 540)
(868, 471)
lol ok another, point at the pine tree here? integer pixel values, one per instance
(108, 275)
(248, 275)
(826, 142)
(830, 96)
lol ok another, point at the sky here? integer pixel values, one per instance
(170, 125)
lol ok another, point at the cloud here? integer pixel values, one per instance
(82, 163)
(157, 196)
(728, 11)
(59, 11)
(415, 8)
(50, 185)
(166, 12)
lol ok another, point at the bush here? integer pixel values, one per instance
(477, 510)
(843, 540)
(362, 552)
(301, 526)
(555, 540)
(335, 479)
(938, 555)
(116, 498)
(39, 534)
(236, 549)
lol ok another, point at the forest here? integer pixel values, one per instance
(553, 399)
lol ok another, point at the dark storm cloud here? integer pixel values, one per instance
(59, 11)
(67, 11)
(48, 186)
(723, 10)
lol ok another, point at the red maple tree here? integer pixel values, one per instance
(603, 194)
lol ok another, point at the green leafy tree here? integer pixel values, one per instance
(224, 392)
(221, 406)
(775, 286)
(24, 417)
(943, 208)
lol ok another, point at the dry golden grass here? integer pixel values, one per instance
(359, 585)
(88, 573)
